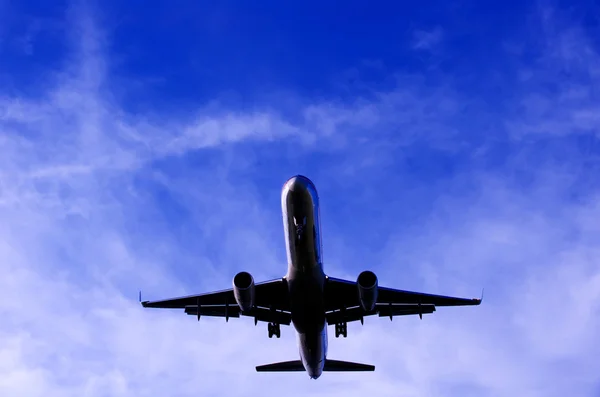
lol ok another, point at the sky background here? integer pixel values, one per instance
(143, 145)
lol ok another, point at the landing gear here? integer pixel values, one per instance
(341, 329)
(274, 329)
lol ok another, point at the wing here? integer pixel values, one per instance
(342, 303)
(271, 301)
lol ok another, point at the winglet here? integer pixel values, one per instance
(144, 303)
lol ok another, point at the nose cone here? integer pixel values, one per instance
(301, 188)
(299, 184)
(299, 192)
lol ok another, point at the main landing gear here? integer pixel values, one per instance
(341, 329)
(274, 329)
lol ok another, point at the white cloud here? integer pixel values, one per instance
(75, 248)
(542, 293)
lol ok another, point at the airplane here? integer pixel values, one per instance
(306, 297)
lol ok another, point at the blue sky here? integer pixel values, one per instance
(144, 146)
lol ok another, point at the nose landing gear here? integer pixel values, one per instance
(341, 329)
(274, 329)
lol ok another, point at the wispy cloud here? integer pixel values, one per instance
(97, 202)
(427, 39)
(557, 89)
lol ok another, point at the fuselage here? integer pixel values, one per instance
(305, 275)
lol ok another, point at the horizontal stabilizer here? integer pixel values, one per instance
(330, 366)
(284, 366)
(346, 366)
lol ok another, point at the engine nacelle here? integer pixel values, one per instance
(243, 290)
(367, 290)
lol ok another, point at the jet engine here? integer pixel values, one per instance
(367, 290)
(243, 290)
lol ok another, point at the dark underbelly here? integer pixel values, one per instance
(308, 310)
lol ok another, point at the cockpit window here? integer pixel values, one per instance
(303, 223)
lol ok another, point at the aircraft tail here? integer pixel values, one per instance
(346, 366)
(330, 366)
(284, 366)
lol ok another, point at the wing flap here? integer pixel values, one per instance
(259, 313)
(391, 310)
(270, 316)
(214, 311)
(381, 309)
(346, 316)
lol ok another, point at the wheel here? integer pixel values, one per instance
(274, 329)
(341, 329)
(338, 330)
